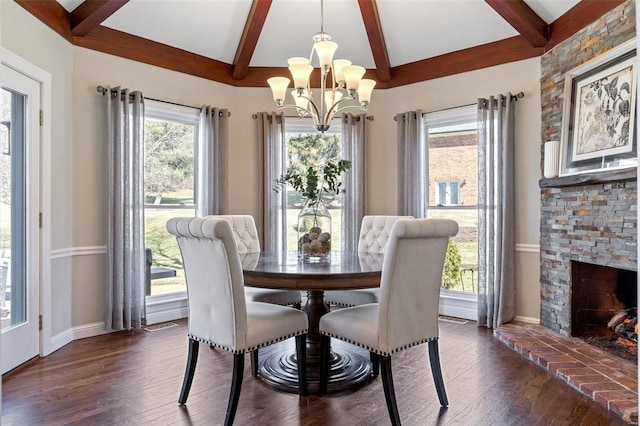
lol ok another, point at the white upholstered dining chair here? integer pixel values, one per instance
(374, 235)
(247, 241)
(219, 315)
(407, 312)
(246, 237)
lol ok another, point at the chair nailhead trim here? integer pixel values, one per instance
(377, 351)
(253, 348)
(339, 304)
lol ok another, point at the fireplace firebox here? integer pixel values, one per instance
(600, 297)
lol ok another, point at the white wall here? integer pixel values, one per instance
(79, 174)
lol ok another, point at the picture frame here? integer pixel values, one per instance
(599, 113)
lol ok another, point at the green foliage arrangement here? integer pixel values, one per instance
(452, 270)
(314, 183)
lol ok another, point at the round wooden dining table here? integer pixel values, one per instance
(350, 366)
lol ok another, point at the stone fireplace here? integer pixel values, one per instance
(588, 243)
(583, 224)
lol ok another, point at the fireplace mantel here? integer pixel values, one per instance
(617, 175)
(630, 173)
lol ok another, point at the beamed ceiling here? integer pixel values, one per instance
(244, 42)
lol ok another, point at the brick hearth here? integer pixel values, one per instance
(610, 381)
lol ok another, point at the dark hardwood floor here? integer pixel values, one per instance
(134, 378)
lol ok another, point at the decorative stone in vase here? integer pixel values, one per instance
(314, 232)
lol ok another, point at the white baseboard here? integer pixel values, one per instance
(75, 333)
(528, 320)
(61, 339)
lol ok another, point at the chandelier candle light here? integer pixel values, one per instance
(346, 82)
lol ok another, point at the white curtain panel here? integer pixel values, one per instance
(353, 201)
(496, 211)
(271, 148)
(125, 251)
(413, 161)
(211, 173)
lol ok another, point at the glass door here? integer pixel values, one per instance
(19, 217)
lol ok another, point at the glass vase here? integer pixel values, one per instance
(314, 232)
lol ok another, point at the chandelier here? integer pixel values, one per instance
(346, 82)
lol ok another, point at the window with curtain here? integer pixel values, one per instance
(304, 146)
(452, 175)
(447, 193)
(169, 183)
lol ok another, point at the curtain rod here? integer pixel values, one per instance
(255, 116)
(515, 97)
(102, 90)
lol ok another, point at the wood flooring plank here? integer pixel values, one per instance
(134, 378)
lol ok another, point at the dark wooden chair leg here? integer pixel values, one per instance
(375, 363)
(436, 371)
(389, 391)
(254, 363)
(236, 387)
(192, 360)
(325, 342)
(301, 353)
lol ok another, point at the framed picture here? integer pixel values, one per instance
(599, 114)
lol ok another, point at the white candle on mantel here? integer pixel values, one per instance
(551, 159)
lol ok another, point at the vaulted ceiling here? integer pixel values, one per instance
(244, 42)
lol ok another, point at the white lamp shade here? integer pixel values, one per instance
(338, 65)
(278, 87)
(352, 76)
(300, 74)
(325, 50)
(364, 89)
(300, 101)
(298, 60)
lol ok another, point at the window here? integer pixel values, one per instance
(453, 191)
(304, 147)
(447, 193)
(169, 180)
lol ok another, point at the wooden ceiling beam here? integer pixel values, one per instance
(110, 41)
(371, 18)
(92, 13)
(150, 52)
(250, 35)
(487, 55)
(52, 14)
(521, 17)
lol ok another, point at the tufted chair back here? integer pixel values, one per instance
(245, 232)
(215, 284)
(410, 283)
(375, 231)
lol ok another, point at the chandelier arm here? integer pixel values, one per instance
(297, 108)
(331, 113)
(350, 107)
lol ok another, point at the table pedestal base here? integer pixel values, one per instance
(348, 370)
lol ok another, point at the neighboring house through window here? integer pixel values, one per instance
(453, 193)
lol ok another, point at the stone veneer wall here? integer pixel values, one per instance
(594, 223)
